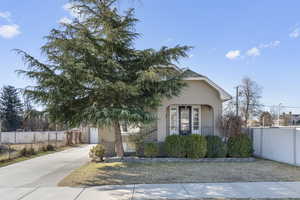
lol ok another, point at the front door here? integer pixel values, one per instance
(185, 122)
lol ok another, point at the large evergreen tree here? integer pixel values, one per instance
(95, 75)
(10, 109)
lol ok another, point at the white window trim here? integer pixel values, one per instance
(199, 117)
(172, 132)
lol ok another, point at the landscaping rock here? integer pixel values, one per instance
(151, 160)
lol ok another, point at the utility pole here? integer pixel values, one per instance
(237, 101)
(279, 108)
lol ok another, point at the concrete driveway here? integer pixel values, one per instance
(44, 171)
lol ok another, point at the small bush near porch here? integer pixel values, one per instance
(191, 146)
(140, 173)
(197, 146)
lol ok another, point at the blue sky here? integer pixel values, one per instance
(232, 39)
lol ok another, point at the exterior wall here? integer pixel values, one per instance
(207, 120)
(196, 92)
(106, 137)
(279, 144)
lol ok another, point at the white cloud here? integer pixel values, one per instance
(272, 44)
(9, 31)
(295, 33)
(256, 51)
(233, 54)
(65, 20)
(72, 11)
(253, 52)
(5, 15)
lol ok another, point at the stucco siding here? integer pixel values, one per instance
(196, 92)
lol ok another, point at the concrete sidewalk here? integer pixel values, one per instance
(159, 191)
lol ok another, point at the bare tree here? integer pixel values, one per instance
(229, 107)
(250, 94)
(266, 119)
(230, 125)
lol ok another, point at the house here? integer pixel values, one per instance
(294, 119)
(289, 119)
(196, 110)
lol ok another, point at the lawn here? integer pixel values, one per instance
(119, 173)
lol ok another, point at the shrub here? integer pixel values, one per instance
(216, 148)
(240, 146)
(97, 153)
(174, 146)
(31, 151)
(44, 149)
(2, 148)
(23, 152)
(191, 146)
(151, 149)
(139, 139)
(50, 147)
(161, 149)
(195, 146)
(230, 125)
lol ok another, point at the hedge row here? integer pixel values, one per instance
(197, 146)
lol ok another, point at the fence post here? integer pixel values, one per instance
(8, 151)
(261, 141)
(55, 139)
(48, 138)
(0, 137)
(15, 137)
(34, 139)
(295, 145)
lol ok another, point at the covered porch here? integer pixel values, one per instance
(185, 119)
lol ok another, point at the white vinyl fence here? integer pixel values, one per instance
(13, 144)
(32, 137)
(278, 144)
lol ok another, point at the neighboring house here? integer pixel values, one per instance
(289, 119)
(196, 110)
(295, 119)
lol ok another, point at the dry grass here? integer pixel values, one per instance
(137, 173)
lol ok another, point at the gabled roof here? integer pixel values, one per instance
(191, 75)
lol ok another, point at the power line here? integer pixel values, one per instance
(280, 106)
(272, 106)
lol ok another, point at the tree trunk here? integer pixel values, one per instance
(118, 140)
(247, 115)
